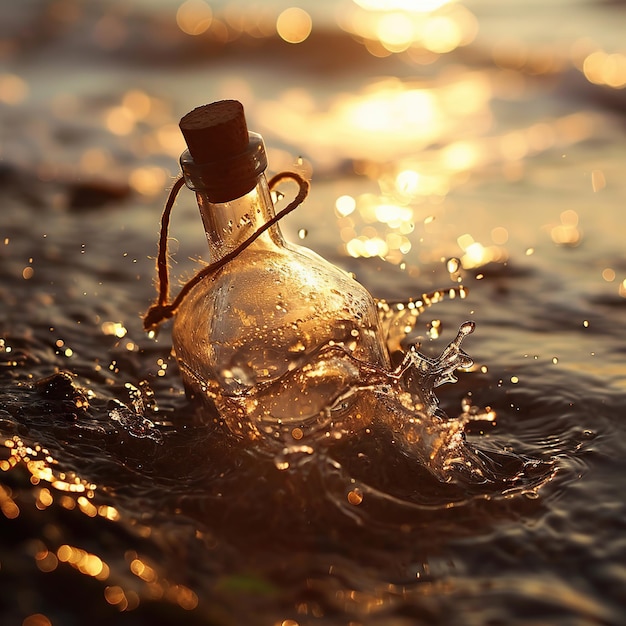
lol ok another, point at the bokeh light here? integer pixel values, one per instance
(13, 89)
(601, 68)
(397, 26)
(433, 146)
(194, 17)
(294, 25)
(567, 233)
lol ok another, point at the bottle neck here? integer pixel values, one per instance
(228, 224)
(233, 198)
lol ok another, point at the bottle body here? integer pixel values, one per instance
(275, 334)
(267, 312)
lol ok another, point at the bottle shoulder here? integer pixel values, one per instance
(267, 307)
(291, 273)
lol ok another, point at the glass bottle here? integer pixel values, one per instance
(268, 335)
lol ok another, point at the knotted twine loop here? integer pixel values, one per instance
(163, 309)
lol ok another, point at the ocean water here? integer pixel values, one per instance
(472, 144)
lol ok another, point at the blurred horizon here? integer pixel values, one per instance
(408, 102)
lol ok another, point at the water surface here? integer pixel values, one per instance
(120, 503)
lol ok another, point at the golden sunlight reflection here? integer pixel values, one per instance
(138, 102)
(608, 274)
(411, 186)
(45, 560)
(395, 26)
(345, 205)
(8, 507)
(294, 25)
(386, 226)
(148, 180)
(476, 254)
(86, 563)
(143, 570)
(395, 31)
(39, 464)
(75, 494)
(567, 232)
(13, 89)
(444, 34)
(122, 599)
(407, 182)
(194, 17)
(169, 139)
(390, 110)
(461, 155)
(601, 68)
(114, 328)
(387, 119)
(120, 120)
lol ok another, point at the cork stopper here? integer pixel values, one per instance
(224, 160)
(215, 131)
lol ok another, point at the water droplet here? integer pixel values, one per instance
(355, 496)
(453, 265)
(297, 347)
(434, 329)
(302, 233)
(281, 464)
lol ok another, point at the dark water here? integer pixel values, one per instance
(121, 503)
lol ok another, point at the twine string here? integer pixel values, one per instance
(163, 308)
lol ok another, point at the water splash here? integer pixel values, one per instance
(423, 375)
(398, 319)
(396, 409)
(377, 464)
(134, 418)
